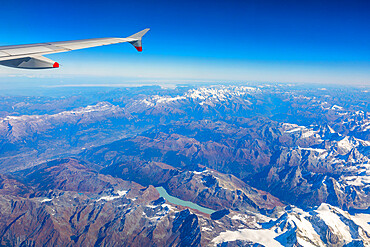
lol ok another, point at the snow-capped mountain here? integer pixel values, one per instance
(16, 128)
(322, 226)
(205, 95)
(243, 151)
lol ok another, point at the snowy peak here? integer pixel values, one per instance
(202, 95)
(16, 128)
(209, 95)
(322, 226)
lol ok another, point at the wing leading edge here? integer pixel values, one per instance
(31, 56)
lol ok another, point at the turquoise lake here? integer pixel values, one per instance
(163, 193)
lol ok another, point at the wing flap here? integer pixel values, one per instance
(3, 54)
(88, 44)
(28, 50)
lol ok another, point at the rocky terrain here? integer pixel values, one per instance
(65, 203)
(282, 165)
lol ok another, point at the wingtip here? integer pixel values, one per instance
(56, 65)
(139, 48)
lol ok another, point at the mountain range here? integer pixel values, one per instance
(281, 165)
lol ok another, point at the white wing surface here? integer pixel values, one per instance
(31, 56)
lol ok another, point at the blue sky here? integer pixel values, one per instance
(191, 41)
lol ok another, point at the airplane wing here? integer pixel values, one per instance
(31, 56)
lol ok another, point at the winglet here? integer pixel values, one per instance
(137, 42)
